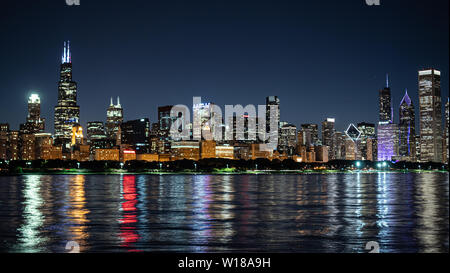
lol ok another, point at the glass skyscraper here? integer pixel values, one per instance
(163, 129)
(310, 134)
(407, 132)
(288, 139)
(327, 136)
(272, 117)
(446, 132)
(430, 115)
(365, 145)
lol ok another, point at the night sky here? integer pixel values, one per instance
(322, 58)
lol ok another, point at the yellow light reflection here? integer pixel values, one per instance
(78, 212)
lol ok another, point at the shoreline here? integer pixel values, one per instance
(249, 172)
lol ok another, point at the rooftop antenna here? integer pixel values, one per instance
(64, 53)
(69, 60)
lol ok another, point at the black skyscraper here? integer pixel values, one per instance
(385, 103)
(67, 112)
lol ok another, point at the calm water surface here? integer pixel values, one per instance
(225, 213)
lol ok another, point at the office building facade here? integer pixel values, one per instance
(430, 115)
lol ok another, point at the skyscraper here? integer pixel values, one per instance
(137, 134)
(34, 124)
(310, 134)
(351, 142)
(407, 132)
(288, 139)
(4, 129)
(245, 133)
(446, 133)
(365, 145)
(114, 117)
(165, 122)
(339, 145)
(201, 120)
(387, 141)
(95, 131)
(327, 136)
(67, 112)
(272, 117)
(96, 137)
(387, 135)
(385, 106)
(430, 115)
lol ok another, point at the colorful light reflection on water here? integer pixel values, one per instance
(403, 212)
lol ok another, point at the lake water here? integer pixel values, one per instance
(225, 213)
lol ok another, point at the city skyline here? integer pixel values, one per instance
(66, 68)
(156, 76)
(112, 108)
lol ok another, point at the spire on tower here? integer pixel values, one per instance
(406, 98)
(387, 80)
(64, 53)
(66, 58)
(118, 101)
(68, 52)
(392, 114)
(111, 102)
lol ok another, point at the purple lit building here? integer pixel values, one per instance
(387, 134)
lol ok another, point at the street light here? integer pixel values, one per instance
(358, 164)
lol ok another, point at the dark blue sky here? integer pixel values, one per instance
(322, 58)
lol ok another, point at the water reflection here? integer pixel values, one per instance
(29, 234)
(77, 212)
(428, 211)
(226, 213)
(128, 230)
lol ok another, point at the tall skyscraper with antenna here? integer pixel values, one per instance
(387, 134)
(385, 103)
(67, 112)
